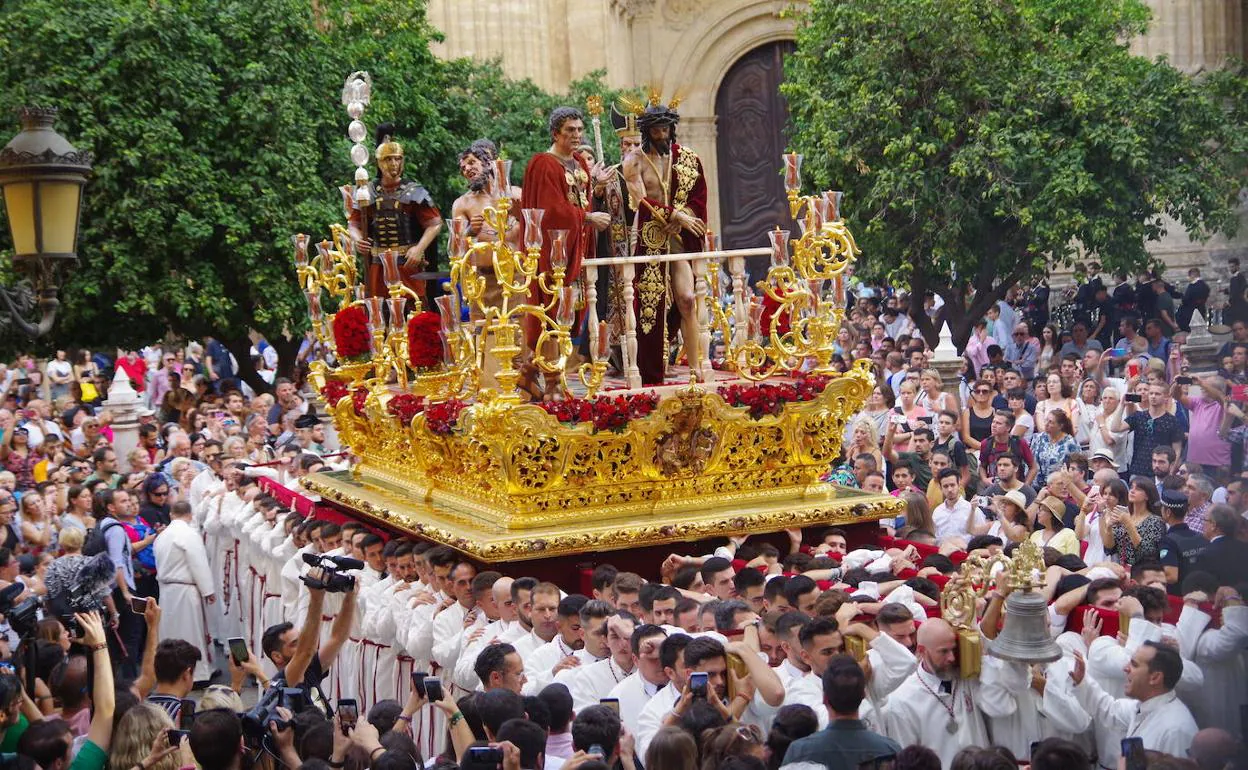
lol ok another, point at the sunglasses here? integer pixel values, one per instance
(160, 493)
(982, 390)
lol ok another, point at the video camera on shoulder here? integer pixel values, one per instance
(333, 581)
(24, 617)
(256, 720)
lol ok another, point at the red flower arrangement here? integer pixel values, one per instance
(766, 398)
(605, 412)
(441, 418)
(351, 336)
(405, 406)
(333, 391)
(358, 399)
(424, 346)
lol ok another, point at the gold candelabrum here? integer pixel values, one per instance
(805, 285)
(521, 286)
(333, 272)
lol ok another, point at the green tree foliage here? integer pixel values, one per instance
(218, 131)
(980, 142)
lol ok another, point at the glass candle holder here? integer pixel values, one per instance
(833, 204)
(446, 310)
(390, 267)
(301, 249)
(376, 314)
(792, 171)
(314, 304)
(602, 350)
(533, 228)
(398, 313)
(779, 247)
(710, 241)
(558, 249)
(500, 178)
(567, 307)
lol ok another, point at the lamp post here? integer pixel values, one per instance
(41, 175)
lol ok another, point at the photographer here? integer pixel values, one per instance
(94, 752)
(296, 656)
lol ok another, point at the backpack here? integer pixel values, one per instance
(95, 542)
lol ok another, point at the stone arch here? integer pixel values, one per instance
(722, 35)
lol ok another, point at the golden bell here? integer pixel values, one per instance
(1025, 637)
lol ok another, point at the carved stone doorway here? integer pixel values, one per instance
(751, 118)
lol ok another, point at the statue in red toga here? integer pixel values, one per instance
(558, 182)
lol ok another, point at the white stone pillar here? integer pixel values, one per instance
(1200, 348)
(947, 361)
(123, 403)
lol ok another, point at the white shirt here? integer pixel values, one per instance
(1163, 722)
(951, 522)
(633, 693)
(652, 716)
(539, 665)
(595, 681)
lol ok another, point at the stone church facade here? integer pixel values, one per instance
(726, 56)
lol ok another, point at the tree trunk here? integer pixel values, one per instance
(287, 356)
(241, 348)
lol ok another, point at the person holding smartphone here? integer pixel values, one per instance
(1152, 428)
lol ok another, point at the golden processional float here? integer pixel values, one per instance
(448, 451)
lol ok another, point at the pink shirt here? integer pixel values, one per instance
(1204, 445)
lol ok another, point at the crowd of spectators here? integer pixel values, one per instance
(199, 557)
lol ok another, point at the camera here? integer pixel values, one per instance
(256, 720)
(333, 582)
(23, 618)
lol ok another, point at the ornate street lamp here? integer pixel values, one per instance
(42, 176)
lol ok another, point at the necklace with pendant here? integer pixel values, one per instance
(951, 726)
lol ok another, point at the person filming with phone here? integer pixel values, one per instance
(300, 662)
(114, 509)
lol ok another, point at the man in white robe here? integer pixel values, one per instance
(935, 706)
(185, 585)
(594, 682)
(546, 662)
(467, 614)
(654, 713)
(1220, 654)
(505, 628)
(647, 679)
(1150, 710)
(368, 546)
(542, 608)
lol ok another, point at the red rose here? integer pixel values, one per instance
(333, 392)
(441, 418)
(424, 343)
(358, 398)
(405, 406)
(351, 336)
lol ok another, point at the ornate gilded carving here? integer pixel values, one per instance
(686, 448)
(516, 466)
(598, 532)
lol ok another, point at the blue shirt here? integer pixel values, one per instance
(221, 362)
(118, 543)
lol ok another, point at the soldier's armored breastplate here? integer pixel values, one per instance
(391, 226)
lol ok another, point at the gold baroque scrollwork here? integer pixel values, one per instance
(516, 465)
